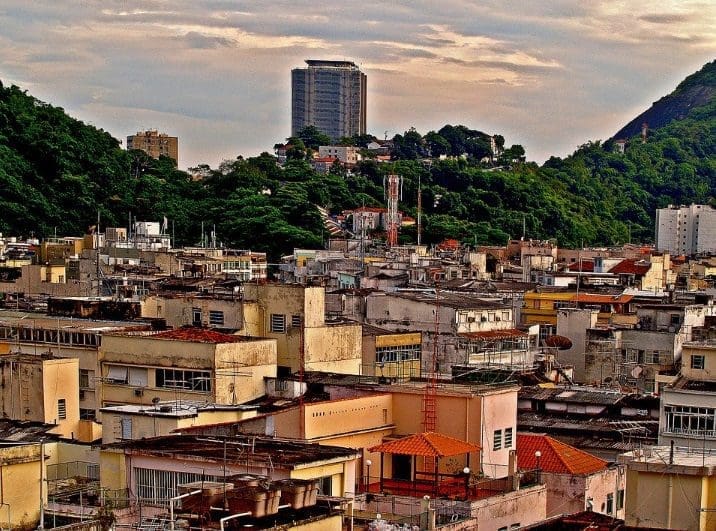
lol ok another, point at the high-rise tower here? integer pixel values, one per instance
(330, 95)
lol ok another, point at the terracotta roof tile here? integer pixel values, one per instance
(631, 267)
(557, 457)
(429, 444)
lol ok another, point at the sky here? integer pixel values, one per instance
(547, 74)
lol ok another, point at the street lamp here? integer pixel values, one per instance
(538, 454)
(466, 471)
(368, 462)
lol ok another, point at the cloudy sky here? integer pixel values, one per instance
(216, 73)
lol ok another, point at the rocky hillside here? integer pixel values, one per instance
(695, 91)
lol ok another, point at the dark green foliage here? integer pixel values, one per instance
(56, 172)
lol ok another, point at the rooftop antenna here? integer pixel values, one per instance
(524, 227)
(644, 132)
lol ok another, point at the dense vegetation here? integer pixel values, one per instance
(56, 173)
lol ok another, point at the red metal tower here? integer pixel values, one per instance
(394, 192)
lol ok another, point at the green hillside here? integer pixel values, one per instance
(57, 172)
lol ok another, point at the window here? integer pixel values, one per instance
(85, 378)
(698, 362)
(216, 318)
(653, 357)
(326, 486)
(675, 318)
(157, 486)
(196, 316)
(183, 379)
(295, 321)
(278, 323)
(497, 440)
(508, 437)
(620, 499)
(61, 409)
(126, 427)
(87, 414)
(117, 374)
(137, 376)
(397, 353)
(610, 503)
(690, 420)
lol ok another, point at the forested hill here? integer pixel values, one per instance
(57, 172)
(693, 92)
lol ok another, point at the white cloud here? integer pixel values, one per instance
(216, 72)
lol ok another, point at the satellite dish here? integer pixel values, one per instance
(636, 371)
(558, 342)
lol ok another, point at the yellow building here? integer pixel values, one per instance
(42, 389)
(294, 316)
(152, 468)
(670, 488)
(540, 307)
(391, 354)
(190, 364)
(164, 418)
(20, 478)
(62, 248)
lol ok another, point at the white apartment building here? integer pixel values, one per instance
(345, 154)
(686, 230)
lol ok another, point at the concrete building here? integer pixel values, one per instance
(390, 354)
(670, 488)
(330, 95)
(187, 364)
(458, 314)
(153, 468)
(688, 406)
(575, 480)
(20, 477)
(44, 389)
(64, 337)
(345, 154)
(155, 144)
(127, 422)
(686, 230)
(294, 316)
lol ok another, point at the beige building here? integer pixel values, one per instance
(191, 364)
(294, 316)
(37, 334)
(155, 144)
(670, 488)
(389, 354)
(129, 422)
(575, 480)
(43, 389)
(20, 478)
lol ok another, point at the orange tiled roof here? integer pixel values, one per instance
(198, 335)
(557, 457)
(631, 267)
(429, 444)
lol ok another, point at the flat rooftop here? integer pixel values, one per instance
(658, 459)
(193, 335)
(41, 320)
(174, 409)
(282, 453)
